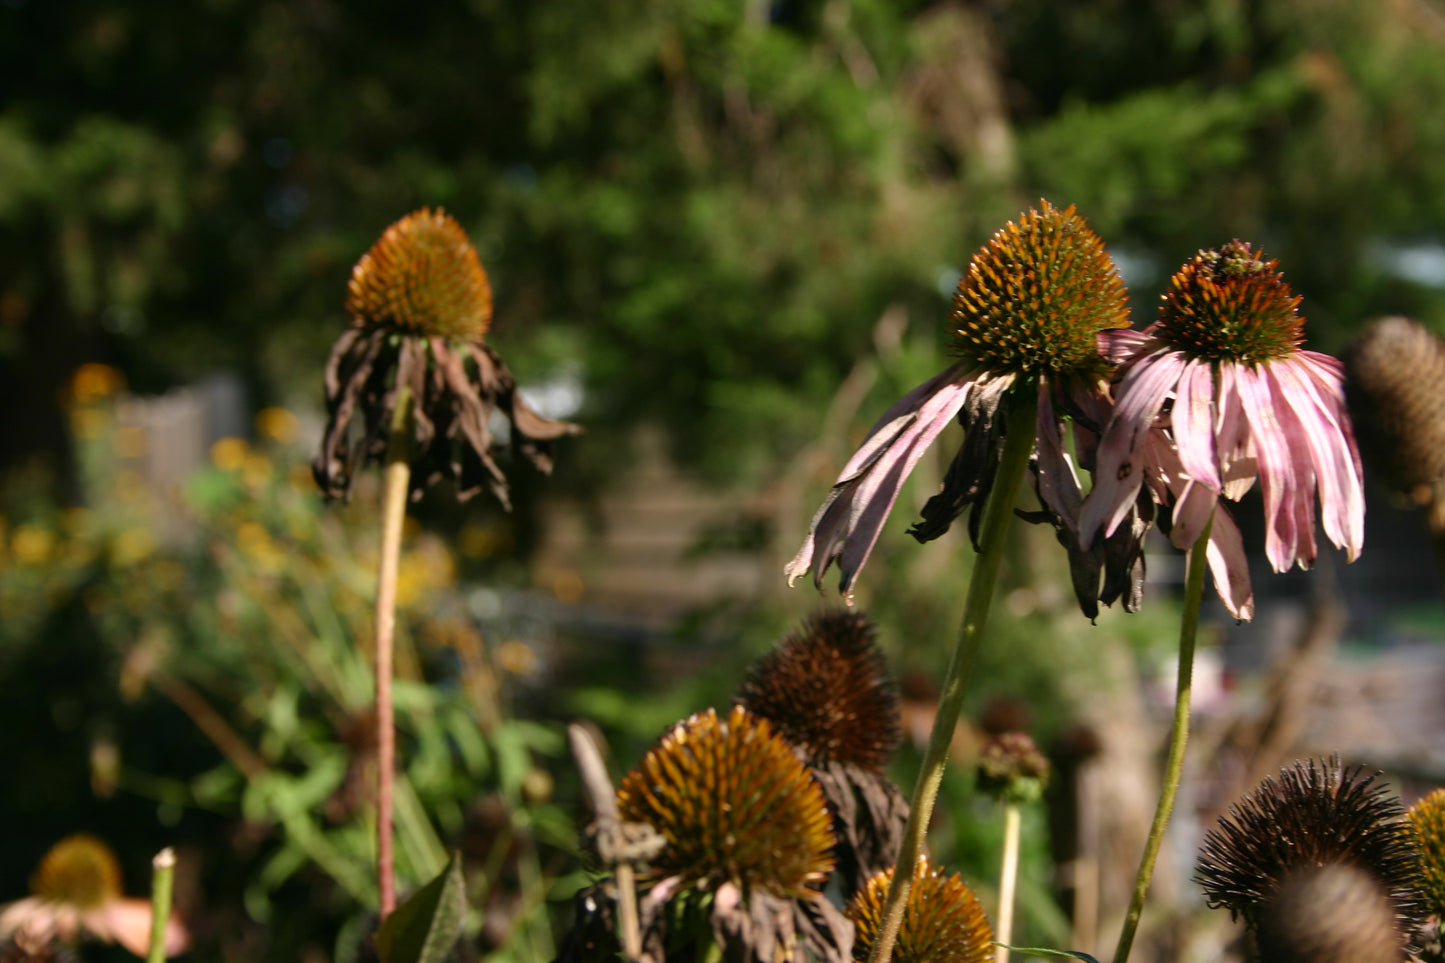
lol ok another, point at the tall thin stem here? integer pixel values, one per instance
(163, 869)
(396, 484)
(1008, 877)
(1018, 446)
(1178, 739)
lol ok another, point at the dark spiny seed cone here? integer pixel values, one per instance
(424, 277)
(1036, 296)
(1329, 914)
(735, 804)
(80, 871)
(1315, 815)
(826, 690)
(943, 922)
(1395, 386)
(1231, 305)
(1427, 821)
(1011, 769)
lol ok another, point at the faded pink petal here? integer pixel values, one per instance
(847, 525)
(1238, 467)
(1276, 468)
(1229, 567)
(127, 921)
(1193, 423)
(1120, 345)
(1315, 397)
(1192, 512)
(1118, 476)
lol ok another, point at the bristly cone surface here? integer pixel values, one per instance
(424, 277)
(1231, 305)
(1036, 296)
(1395, 386)
(735, 804)
(826, 690)
(943, 921)
(420, 304)
(1427, 822)
(1313, 816)
(80, 871)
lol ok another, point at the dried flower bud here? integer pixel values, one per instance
(1230, 304)
(826, 690)
(1012, 770)
(1036, 296)
(424, 277)
(735, 805)
(942, 921)
(1395, 386)
(1315, 815)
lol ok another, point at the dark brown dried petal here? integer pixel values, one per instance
(970, 475)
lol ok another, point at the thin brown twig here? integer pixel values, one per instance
(609, 824)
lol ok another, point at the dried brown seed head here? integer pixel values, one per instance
(826, 690)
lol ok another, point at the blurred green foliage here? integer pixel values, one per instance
(739, 221)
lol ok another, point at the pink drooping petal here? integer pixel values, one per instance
(1193, 423)
(1120, 345)
(1229, 566)
(1315, 394)
(1058, 485)
(846, 527)
(1118, 474)
(1238, 467)
(1276, 467)
(1191, 513)
(127, 921)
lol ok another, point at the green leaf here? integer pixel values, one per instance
(1040, 951)
(425, 927)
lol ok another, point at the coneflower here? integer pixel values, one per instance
(420, 305)
(943, 923)
(826, 690)
(1266, 861)
(746, 831)
(1427, 823)
(1215, 395)
(77, 892)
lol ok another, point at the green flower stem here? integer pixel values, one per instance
(163, 869)
(393, 513)
(1008, 878)
(1178, 739)
(1018, 446)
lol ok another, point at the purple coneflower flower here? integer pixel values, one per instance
(1026, 317)
(1215, 394)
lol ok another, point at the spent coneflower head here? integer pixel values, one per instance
(735, 805)
(1315, 815)
(1012, 769)
(420, 304)
(1216, 394)
(942, 923)
(826, 690)
(1427, 822)
(1395, 386)
(1027, 316)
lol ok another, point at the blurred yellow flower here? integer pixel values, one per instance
(132, 545)
(516, 657)
(278, 425)
(229, 454)
(95, 382)
(32, 545)
(256, 544)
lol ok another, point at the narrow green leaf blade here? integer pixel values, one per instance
(425, 927)
(1041, 951)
